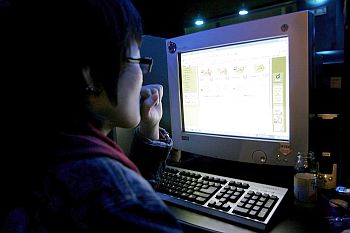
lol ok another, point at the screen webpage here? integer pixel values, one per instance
(237, 90)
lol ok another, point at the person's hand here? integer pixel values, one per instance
(151, 110)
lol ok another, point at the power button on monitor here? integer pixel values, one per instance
(259, 156)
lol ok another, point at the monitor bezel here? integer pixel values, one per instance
(297, 27)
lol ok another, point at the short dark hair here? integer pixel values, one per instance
(50, 41)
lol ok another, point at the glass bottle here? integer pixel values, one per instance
(305, 177)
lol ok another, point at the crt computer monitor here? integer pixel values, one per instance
(241, 92)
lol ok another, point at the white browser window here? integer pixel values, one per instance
(237, 90)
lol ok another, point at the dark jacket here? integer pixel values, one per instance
(91, 186)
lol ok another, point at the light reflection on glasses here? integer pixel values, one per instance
(145, 63)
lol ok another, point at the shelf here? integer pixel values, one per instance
(331, 56)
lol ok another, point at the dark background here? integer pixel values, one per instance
(168, 18)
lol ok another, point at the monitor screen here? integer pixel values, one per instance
(241, 92)
(243, 86)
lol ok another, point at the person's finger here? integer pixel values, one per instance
(151, 101)
(145, 92)
(159, 90)
(148, 90)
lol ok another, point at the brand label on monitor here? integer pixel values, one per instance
(285, 148)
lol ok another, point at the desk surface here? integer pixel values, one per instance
(298, 220)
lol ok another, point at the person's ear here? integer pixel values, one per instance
(90, 85)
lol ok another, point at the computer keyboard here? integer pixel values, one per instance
(237, 201)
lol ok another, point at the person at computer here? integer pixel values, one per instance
(77, 68)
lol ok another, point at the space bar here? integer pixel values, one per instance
(200, 194)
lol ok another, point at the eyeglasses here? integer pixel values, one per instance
(145, 63)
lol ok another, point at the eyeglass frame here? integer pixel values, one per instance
(146, 63)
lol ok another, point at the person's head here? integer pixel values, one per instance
(70, 60)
